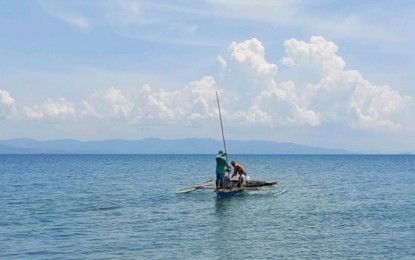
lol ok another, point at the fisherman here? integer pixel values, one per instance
(222, 166)
(239, 173)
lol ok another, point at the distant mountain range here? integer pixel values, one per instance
(156, 146)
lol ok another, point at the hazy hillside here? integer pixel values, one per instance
(156, 146)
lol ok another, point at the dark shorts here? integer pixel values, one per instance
(220, 176)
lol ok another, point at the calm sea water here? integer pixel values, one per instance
(125, 207)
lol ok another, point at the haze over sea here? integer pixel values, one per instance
(125, 207)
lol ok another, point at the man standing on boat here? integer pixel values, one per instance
(222, 166)
(240, 173)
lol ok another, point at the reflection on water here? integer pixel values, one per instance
(222, 205)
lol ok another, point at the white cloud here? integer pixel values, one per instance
(79, 22)
(153, 105)
(222, 63)
(67, 13)
(162, 103)
(318, 56)
(201, 96)
(380, 107)
(341, 94)
(50, 109)
(193, 102)
(89, 110)
(110, 103)
(321, 92)
(268, 102)
(7, 105)
(252, 52)
(120, 105)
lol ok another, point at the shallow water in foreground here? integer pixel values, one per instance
(125, 207)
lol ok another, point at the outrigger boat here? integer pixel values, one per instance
(232, 189)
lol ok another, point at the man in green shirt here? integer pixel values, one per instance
(222, 166)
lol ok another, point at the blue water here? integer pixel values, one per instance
(125, 207)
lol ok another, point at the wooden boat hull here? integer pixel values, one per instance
(257, 183)
(249, 184)
(229, 193)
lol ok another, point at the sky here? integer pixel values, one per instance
(326, 73)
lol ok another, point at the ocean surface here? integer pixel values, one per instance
(125, 207)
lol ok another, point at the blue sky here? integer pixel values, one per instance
(335, 74)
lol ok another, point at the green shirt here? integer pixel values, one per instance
(221, 164)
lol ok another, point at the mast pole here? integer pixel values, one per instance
(221, 126)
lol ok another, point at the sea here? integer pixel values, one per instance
(126, 207)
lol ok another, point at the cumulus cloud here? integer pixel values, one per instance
(266, 102)
(88, 110)
(380, 106)
(322, 90)
(110, 103)
(318, 55)
(252, 52)
(152, 105)
(7, 105)
(201, 96)
(193, 102)
(340, 94)
(50, 109)
(120, 106)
